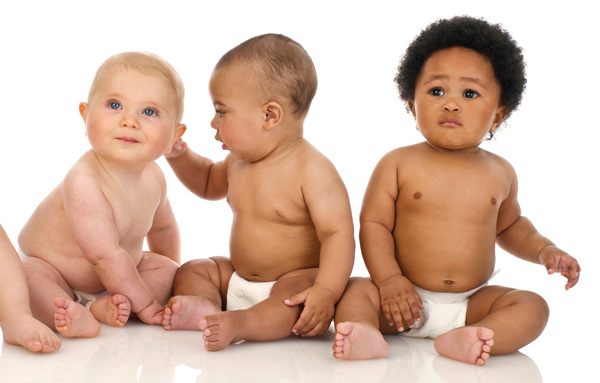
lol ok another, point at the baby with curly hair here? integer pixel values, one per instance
(433, 212)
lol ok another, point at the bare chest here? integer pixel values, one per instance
(470, 194)
(133, 213)
(267, 193)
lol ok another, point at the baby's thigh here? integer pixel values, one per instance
(294, 282)
(194, 276)
(156, 262)
(495, 298)
(40, 273)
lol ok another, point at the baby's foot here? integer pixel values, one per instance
(183, 312)
(30, 333)
(73, 320)
(112, 310)
(221, 329)
(466, 344)
(355, 340)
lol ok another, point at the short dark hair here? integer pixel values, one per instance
(280, 68)
(489, 40)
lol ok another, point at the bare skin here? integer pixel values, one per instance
(112, 309)
(292, 221)
(18, 325)
(433, 212)
(88, 234)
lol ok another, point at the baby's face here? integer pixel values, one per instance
(457, 99)
(131, 117)
(238, 116)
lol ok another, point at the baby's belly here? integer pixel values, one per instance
(448, 272)
(267, 259)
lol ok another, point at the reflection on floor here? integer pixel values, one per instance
(140, 353)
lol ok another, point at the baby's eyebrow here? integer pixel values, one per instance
(475, 80)
(464, 78)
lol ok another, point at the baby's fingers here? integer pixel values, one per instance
(296, 299)
(572, 276)
(303, 324)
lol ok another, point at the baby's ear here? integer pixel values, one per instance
(83, 110)
(272, 114)
(179, 131)
(498, 118)
(411, 107)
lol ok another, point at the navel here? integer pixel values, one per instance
(417, 195)
(280, 213)
(449, 282)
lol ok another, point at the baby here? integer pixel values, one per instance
(18, 325)
(292, 243)
(87, 236)
(433, 212)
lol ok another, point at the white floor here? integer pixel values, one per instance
(140, 353)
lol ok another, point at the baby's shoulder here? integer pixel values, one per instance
(84, 171)
(497, 162)
(400, 156)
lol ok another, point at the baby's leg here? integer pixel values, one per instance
(158, 272)
(51, 301)
(500, 321)
(198, 289)
(357, 321)
(268, 320)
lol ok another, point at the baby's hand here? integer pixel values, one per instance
(400, 300)
(316, 316)
(178, 149)
(151, 314)
(556, 260)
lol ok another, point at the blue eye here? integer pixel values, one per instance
(436, 92)
(150, 112)
(221, 113)
(114, 105)
(470, 94)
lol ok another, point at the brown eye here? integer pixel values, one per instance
(436, 92)
(470, 94)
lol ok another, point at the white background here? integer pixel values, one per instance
(51, 50)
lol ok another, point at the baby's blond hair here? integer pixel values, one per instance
(279, 67)
(148, 64)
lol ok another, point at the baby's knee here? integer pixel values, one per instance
(537, 307)
(297, 280)
(34, 268)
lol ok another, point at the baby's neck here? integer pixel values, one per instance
(122, 172)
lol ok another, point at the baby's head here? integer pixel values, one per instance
(147, 64)
(134, 108)
(277, 69)
(491, 41)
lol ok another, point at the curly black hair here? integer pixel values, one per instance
(491, 41)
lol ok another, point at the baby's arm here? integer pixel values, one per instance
(163, 238)
(518, 236)
(200, 175)
(92, 222)
(377, 219)
(327, 201)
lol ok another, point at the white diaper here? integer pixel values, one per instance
(86, 299)
(443, 312)
(243, 294)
